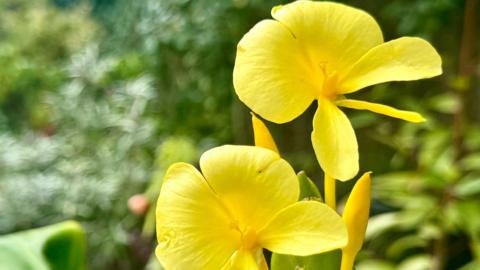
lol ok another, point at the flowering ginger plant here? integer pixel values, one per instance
(247, 198)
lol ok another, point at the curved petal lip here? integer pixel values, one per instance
(334, 142)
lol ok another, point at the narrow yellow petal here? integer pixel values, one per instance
(334, 142)
(355, 216)
(403, 59)
(333, 35)
(262, 135)
(187, 239)
(381, 109)
(253, 182)
(304, 228)
(270, 75)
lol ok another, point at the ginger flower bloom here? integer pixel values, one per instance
(322, 51)
(245, 199)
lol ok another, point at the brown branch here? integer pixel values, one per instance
(466, 68)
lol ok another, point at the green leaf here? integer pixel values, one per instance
(416, 262)
(325, 261)
(308, 189)
(471, 162)
(467, 187)
(445, 103)
(56, 247)
(376, 264)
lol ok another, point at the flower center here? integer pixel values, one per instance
(330, 79)
(249, 238)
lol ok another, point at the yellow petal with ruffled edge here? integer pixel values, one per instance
(270, 75)
(304, 228)
(193, 228)
(334, 142)
(332, 35)
(262, 135)
(403, 59)
(355, 216)
(253, 182)
(381, 109)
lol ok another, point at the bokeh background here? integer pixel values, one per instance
(98, 97)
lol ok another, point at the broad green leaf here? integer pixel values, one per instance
(400, 246)
(467, 187)
(471, 162)
(380, 224)
(374, 264)
(471, 266)
(56, 247)
(416, 262)
(325, 261)
(308, 189)
(444, 103)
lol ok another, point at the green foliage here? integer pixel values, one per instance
(55, 247)
(96, 155)
(36, 40)
(327, 261)
(437, 200)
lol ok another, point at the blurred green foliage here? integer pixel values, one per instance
(98, 97)
(35, 41)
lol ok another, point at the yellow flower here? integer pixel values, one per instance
(244, 200)
(355, 216)
(322, 51)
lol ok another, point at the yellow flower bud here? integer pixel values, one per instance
(262, 135)
(355, 216)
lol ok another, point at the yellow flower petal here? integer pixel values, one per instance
(355, 216)
(247, 260)
(333, 35)
(262, 135)
(402, 59)
(253, 182)
(192, 226)
(334, 142)
(304, 228)
(381, 109)
(270, 74)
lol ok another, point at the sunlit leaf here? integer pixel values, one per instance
(467, 187)
(308, 189)
(325, 261)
